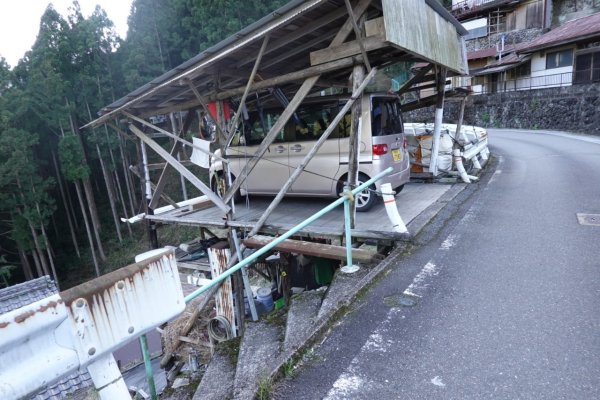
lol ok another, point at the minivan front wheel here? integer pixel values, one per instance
(218, 185)
(367, 198)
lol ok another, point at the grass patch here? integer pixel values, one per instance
(265, 388)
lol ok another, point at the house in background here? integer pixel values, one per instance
(529, 44)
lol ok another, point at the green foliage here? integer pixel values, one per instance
(72, 158)
(265, 388)
(76, 66)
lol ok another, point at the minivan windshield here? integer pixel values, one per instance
(385, 116)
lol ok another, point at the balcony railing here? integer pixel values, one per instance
(529, 83)
(467, 7)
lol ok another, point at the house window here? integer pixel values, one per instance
(557, 59)
(522, 71)
(587, 67)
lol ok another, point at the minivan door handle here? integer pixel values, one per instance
(280, 149)
(296, 148)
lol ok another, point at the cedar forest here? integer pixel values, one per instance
(63, 190)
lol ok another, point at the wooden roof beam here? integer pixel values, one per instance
(312, 249)
(348, 49)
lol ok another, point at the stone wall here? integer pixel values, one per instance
(567, 10)
(510, 38)
(572, 108)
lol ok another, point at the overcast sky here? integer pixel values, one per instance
(20, 21)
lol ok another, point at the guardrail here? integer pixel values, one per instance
(81, 327)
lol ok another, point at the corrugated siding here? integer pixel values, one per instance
(415, 27)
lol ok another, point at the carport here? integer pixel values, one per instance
(298, 50)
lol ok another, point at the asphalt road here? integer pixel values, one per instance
(506, 292)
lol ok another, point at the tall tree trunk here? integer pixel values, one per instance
(38, 266)
(111, 194)
(89, 195)
(70, 208)
(38, 250)
(67, 211)
(117, 180)
(25, 264)
(87, 226)
(159, 45)
(50, 258)
(108, 183)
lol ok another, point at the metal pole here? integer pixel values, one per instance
(148, 364)
(217, 280)
(349, 267)
(107, 379)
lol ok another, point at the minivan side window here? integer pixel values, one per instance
(256, 127)
(386, 118)
(311, 121)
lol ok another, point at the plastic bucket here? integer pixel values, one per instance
(265, 298)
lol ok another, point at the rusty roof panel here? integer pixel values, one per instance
(569, 32)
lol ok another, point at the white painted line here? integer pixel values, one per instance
(418, 285)
(437, 381)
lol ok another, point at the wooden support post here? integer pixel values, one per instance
(358, 34)
(439, 113)
(183, 170)
(357, 78)
(285, 277)
(218, 257)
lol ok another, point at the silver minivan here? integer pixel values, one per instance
(382, 145)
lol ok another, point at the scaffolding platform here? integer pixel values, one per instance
(373, 224)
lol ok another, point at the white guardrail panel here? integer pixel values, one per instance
(54, 337)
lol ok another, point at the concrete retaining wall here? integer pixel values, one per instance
(573, 108)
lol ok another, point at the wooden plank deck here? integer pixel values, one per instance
(374, 224)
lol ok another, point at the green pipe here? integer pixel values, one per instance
(283, 237)
(348, 228)
(148, 364)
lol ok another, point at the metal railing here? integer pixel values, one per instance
(529, 83)
(472, 6)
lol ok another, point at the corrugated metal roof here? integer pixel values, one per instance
(481, 53)
(22, 294)
(569, 32)
(295, 30)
